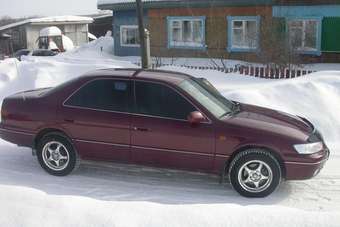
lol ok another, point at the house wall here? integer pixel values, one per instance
(303, 11)
(216, 31)
(78, 33)
(18, 37)
(329, 15)
(120, 18)
(32, 35)
(5, 47)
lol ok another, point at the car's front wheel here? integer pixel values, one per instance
(56, 154)
(255, 173)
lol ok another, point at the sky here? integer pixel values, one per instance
(22, 8)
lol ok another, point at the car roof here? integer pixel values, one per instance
(142, 74)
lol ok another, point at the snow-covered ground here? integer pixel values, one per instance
(106, 194)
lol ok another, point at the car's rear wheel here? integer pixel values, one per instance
(56, 154)
(255, 173)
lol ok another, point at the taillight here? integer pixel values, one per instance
(4, 113)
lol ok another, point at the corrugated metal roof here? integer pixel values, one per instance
(131, 4)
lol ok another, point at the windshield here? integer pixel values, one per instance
(208, 96)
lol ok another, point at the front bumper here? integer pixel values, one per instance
(300, 167)
(308, 167)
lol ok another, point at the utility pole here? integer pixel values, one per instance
(143, 36)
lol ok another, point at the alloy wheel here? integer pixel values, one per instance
(55, 155)
(255, 176)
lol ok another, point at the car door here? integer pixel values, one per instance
(162, 136)
(97, 116)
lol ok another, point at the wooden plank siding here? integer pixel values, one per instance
(216, 30)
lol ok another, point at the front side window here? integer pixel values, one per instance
(186, 32)
(303, 34)
(162, 101)
(105, 94)
(243, 33)
(129, 35)
(208, 96)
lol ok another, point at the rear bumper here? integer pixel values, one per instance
(301, 170)
(20, 138)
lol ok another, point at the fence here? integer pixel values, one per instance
(248, 70)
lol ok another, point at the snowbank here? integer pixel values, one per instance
(30, 207)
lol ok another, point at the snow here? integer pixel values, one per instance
(55, 19)
(108, 194)
(91, 36)
(67, 43)
(67, 18)
(50, 31)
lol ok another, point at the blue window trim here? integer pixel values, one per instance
(132, 26)
(201, 18)
(318, 37)
(230, 19)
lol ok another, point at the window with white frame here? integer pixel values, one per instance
(303, 34)
(186, 32)
(244, 34)
(129, 35)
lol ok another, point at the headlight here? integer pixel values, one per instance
(308, 148)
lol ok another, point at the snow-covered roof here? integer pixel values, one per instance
(50, 20)
(50, 31)
(100, 14)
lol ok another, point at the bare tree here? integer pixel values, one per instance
(276, 49)
(216, 51)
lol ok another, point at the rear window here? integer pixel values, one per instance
(61, 86)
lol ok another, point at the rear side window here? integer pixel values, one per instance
(106, 94)
(162, 101)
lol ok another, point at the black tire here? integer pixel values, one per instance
(66, 149)
(248, 172)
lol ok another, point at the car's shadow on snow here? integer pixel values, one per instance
(119, 182)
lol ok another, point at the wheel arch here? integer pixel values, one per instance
(272, 151)
(45, 131)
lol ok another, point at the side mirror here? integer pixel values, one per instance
(196, 117)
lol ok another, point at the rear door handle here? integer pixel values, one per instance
(141, 129)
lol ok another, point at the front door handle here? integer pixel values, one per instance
(141, 129)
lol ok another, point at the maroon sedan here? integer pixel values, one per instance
(163, 119)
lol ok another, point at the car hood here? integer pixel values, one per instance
(271, 120)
